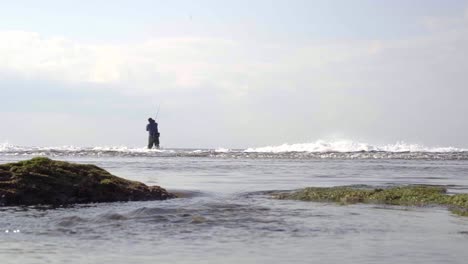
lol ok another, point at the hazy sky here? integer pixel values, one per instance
(233, 74)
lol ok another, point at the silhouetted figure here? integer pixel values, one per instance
(152, 129)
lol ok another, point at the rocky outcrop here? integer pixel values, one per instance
(46, 181)
(412, 195)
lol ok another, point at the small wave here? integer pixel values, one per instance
(322, 146)
(223, 150)
(70, 221)
(343, 149)
(6, 148)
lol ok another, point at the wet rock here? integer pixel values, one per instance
(413, 195)
(45, 181)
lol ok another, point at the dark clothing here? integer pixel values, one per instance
(153, 138)
(152, 128)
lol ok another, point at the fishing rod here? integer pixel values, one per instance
(157, 112)
(156, 118)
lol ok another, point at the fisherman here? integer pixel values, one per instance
(152, 129)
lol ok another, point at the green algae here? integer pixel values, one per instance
(45, 181)
(413, 195)
(41, 169)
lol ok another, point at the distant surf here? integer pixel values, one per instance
(341, 149)
(351, 146)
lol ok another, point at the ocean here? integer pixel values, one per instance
(227, 214)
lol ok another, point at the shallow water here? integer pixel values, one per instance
(228, 216)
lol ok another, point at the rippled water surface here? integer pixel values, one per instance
(228, 216)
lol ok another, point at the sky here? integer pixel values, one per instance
(233, 74)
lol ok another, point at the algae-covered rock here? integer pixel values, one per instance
(45, 181)
(413, 195)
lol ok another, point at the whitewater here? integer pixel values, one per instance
(318, 149)
(227, 214)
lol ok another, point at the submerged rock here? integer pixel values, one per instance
(45, 181)
(413, 195)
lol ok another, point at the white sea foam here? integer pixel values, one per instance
(350, 146)
(7, 147)
(222, 150)
(320, 146)
(125, 149)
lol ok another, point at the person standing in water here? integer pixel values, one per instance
(153, 131)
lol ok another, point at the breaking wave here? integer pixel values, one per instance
(351, 146)
(342, 149)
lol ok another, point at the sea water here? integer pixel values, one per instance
(227, 214)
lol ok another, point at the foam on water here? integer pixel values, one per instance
(9, 148)
(350, 146)
(341, 149)
(222, 150)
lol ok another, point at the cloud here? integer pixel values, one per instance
(245, 92)
(232, 66)
(30, 55)
(446, 23)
